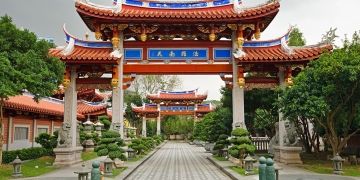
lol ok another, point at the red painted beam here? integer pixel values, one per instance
(183, 69)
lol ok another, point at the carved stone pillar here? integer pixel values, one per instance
(143, 132)
(158, 121)
(118, 92)
(67, 151)
(281, 75)
(237, 91)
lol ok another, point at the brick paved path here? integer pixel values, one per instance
(176, 160)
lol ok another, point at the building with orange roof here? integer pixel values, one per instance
(172, 103)
(25, 119)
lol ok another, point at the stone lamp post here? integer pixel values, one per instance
(337, 164)
(83, 173)
(249, 165)
(108, 167)
(88, 125)
(88, 144)
(17, 167)
(131, 153)
(98, 127)
(225, 152)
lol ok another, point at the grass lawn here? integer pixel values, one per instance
(118, 171)
(85, 156)
(29, 168)
(326, 167)
(241, 171)
(219, 158)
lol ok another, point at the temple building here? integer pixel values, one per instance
(172, 103)
(212, 37)
(25, 119)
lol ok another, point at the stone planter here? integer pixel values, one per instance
(288, 155)
(88, 145)
(179, 137)
(172, 137)
(235, 161)
(209, 147)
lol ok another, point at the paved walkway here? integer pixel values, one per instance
(177, 160)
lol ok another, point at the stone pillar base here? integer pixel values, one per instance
(88, 145)
(288, 155)
(67, 156)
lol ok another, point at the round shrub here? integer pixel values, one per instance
(102, 152)
(115, 154)
(234, 152)
(107, 140)
(102, 146)
(248, 148)
(240, 132)
(110, 134)
(223, 137)
(113, 147)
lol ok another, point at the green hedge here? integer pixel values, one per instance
(25, 154)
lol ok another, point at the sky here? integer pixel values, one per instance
(313, 17)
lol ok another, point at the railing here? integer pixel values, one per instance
(261, 143)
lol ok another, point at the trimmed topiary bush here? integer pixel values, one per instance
(241, 143)
(25, 154)
(110, 144)
(221, 143)
(240, 132)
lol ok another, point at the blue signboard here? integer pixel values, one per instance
(133, 54)
(176, 108)
(222, 54)
(178, 54)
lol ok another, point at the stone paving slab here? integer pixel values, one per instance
(287, 172)
(132, 166)
(67, 173)
(178, 160)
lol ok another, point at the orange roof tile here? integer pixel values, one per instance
(174, 96)
(203, 109)
(85, 108)
(44, 106)
(227, 12)
(81, 54)
(276, 54)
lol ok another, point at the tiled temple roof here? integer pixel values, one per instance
(152, 109)
(277, 54)
(266, 51)
(88, 108)
(85, 54)
(50, 106)
(185, 95)
(131, 12)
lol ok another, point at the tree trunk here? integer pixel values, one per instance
(1, 124)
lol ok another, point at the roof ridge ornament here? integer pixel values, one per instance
(69, 47)
(116, 53)
(118, 6)
(238, 8)
(285, 47)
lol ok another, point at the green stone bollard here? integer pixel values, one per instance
(270, 169)
(262, 168)
(95, 172)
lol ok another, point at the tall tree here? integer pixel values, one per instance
(132, 98)
(328, 93)
(296, 37)
(153, 83)
(259, 99)
(25, 66)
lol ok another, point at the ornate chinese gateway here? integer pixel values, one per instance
(172, 103)
(135, 37)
